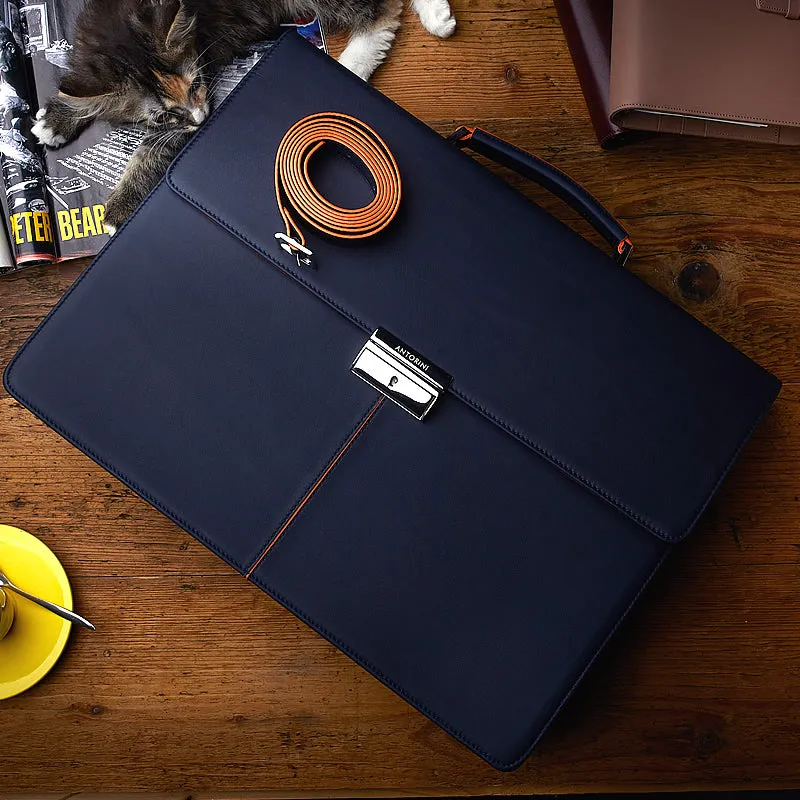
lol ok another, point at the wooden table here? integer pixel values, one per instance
(196, 681)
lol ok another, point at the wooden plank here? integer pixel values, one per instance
(203, 684)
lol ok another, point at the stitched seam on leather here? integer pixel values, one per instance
(346, 443)
(632, 105)
(619, 504)
(370, 417)
(764, 5)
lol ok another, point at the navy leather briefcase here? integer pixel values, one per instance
(476, 561)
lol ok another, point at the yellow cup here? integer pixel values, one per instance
(6, 612)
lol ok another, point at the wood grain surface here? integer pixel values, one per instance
(196, 682)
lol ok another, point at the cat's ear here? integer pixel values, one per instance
(181, 30)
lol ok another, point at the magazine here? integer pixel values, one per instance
(53, 201)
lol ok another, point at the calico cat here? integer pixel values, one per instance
(151, 63)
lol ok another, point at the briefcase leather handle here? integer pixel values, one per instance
(552, 179)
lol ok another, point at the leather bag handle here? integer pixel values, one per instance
(552, 179)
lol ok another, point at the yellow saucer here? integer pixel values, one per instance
(37, 638)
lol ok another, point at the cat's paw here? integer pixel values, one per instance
(119, 206)
(437, 18)
(44, 130)
(357, 64)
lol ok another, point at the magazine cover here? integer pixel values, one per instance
(55, 199)
(29, 226)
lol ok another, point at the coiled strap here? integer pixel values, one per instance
(296, 194)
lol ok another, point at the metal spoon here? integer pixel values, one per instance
(58, 610)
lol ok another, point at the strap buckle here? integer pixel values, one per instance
(304, 256)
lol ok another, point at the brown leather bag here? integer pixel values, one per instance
(718, 68)
(587, 29)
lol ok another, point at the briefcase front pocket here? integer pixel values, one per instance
(444, 554)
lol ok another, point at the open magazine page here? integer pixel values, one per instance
(82, 173)
(7, 261)
(24, 198)
(229, 77)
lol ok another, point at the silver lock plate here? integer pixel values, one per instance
(403, 375)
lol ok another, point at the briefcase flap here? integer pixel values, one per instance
(542, 333)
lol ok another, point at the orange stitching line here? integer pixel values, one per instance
(315, 486)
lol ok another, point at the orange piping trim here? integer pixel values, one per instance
(315, 486)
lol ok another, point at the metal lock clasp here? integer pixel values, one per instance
(400, 373)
